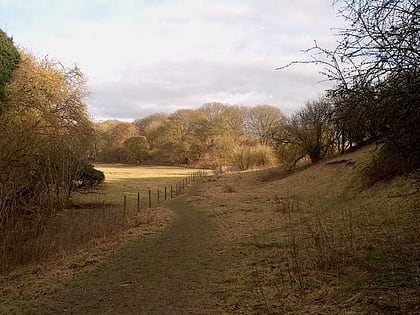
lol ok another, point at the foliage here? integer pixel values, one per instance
(150, 127)
(375, 65)
(89, 177)
(247, 157)
(9, 60)
(136, 149)
(45, 136)
(110, 139)
(206, 136)
(309, 131)
(386, 164)
(264, 121)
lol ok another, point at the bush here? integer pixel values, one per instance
(89, 177)
(248, 157)
(387, 164)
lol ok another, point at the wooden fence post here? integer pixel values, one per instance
(171, 192)
(125, 204)
(150, 198)
(158, 196)
(138, 202)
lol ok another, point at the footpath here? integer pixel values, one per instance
(168, 273)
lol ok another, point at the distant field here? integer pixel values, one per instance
(128, 180)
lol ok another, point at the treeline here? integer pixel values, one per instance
(376, 99)
(45, 134)
(213, 135)
(217, 135)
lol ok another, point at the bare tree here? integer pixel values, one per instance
(263, 122)
(376, 64)
(382, 37)
(310, 129)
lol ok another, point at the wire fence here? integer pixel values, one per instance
(155, 197)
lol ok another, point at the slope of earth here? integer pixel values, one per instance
(316, 240)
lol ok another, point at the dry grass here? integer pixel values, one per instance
(26, 284)
(312, 241)
(95, 216)
(316, 242)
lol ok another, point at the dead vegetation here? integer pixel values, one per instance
(92, 217)
(316, 241)
(23, 286)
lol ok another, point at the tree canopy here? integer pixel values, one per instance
(9, 60)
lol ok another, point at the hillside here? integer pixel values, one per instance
(315, 241)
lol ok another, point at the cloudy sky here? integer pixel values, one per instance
(147, 56)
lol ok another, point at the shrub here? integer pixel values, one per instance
(90, 177)
(387, 164)
(248, 157)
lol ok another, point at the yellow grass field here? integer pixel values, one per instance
(126, 180)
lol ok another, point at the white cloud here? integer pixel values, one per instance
(150, 56)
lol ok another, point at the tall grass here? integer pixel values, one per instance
(67, 231)
(93, 216)
(362, 250)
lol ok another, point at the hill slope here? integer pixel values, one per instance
(315, 241)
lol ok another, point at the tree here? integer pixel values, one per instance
(9, 60)
(263, 122)
(136, 149)
(356, 116)
(310, 130)
(378, 51)
(110, 138)
(45, 137)
(180, 139)
(149, 127)
(382, 37)
(236, 119)
(214, 113)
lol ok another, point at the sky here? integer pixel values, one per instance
(142, 57)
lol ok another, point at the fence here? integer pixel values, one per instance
(150, 198)
(98, 217)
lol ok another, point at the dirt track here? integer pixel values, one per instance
(171, 272)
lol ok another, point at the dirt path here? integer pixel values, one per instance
(169, 273)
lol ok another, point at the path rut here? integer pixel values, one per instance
(168, 273)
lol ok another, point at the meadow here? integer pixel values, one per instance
(97, 215)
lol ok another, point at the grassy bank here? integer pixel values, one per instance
(317, 241)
